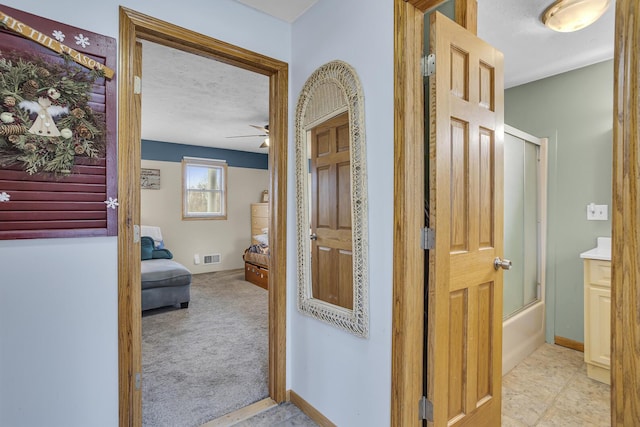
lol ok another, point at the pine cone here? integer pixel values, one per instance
(30, 89)
(9, 101)
(78, 113)
(79, 149)
(43, 72)
(83, 132)
(6, 130)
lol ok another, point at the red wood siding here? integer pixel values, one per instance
(45, 205)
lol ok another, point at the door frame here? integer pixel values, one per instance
(134, 26)
(407, 354)
(408, 264)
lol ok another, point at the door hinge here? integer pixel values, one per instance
(425, 411)
(136, 233)
(428, 65)
(427, 238)
(138, 380)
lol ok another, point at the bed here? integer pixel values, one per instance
(256, 265)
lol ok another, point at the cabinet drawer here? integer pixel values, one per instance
(599, 272)
(261, 210)
(259, 222)
(257, 275)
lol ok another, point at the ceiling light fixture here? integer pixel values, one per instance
(572, 15)
(265, 144)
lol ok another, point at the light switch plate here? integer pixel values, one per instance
(597, 212)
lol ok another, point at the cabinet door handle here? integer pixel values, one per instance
(313, 236)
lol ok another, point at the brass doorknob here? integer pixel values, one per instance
(499, 263)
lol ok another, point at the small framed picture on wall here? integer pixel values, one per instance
(150, 179)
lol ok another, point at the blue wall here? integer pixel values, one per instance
(171, 152)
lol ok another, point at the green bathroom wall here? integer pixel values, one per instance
(575, 111)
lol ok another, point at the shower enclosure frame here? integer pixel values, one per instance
(524, 331)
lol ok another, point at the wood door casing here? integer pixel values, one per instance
(464, 346)
(625, 250)
(331, 253)
(135, 25)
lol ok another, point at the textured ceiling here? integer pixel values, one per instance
(189, 99)
(203, 102)
(287, 10)
(532, 51)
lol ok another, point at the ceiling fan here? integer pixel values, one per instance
(264, 129)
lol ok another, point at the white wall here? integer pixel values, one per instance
(347, 378)
(58, 297)
(229, 237)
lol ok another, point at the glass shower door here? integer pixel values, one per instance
(522, 219)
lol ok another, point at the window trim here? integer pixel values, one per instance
(210, 163)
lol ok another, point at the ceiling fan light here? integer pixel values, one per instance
(265, 144)
(572, 15)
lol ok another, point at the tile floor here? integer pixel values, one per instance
(549, 388)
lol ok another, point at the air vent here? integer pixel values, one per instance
(211, 259)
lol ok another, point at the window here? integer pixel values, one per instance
(204, 184)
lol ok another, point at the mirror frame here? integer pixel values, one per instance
(356, 320)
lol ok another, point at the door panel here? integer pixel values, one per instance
(464, 342)
(331, 256)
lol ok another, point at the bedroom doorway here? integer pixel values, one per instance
(231, 342)
(134, 27)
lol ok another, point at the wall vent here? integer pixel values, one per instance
(211, 259)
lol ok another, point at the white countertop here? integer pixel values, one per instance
(602, 251)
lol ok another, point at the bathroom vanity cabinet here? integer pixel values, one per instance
(597, 313)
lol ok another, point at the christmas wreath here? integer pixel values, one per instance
(45, 116)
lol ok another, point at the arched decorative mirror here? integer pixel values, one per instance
(331, 199)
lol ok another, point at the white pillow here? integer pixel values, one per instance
(263, 239)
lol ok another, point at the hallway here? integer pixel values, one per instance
(549, 388)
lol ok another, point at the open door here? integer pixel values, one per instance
(466, 127)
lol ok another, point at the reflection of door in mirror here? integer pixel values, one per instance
(331, 199)
(331, 251)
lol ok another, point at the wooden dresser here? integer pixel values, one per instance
(259, 219)
(253, 272)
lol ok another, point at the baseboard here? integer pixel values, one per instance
(569, 343)
(311, 412)
(242, 413)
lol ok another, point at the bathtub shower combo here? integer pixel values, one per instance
(525, 166)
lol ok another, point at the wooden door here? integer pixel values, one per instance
(464, 341)
(331, 255)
